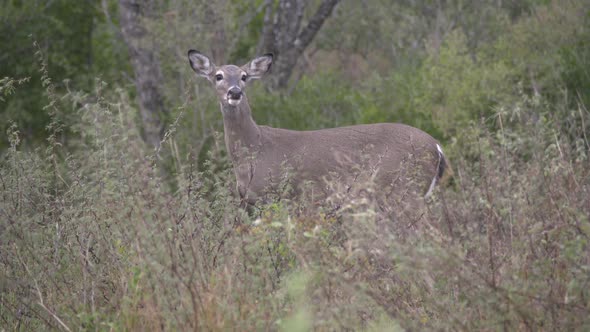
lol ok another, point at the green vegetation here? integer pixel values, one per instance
(100, 232)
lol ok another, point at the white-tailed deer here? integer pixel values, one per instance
(401, 158)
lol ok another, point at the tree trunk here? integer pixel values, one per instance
(282, 34)
(146, 69)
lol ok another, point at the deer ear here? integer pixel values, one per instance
(259, 66)
(201, 64)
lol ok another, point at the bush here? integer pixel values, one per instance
(94, 236)
(98, 233)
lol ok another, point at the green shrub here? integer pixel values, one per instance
(97, 232)
(95, 236)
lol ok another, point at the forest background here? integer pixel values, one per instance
(117, 210)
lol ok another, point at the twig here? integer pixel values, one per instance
(580, 106)
(53, 314)
(40, 302)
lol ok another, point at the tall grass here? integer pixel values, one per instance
(94, 236)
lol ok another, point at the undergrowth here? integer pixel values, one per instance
(96, 237)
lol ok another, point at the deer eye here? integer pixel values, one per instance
(219, 77)
(244, 77)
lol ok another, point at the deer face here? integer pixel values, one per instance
(229, 80)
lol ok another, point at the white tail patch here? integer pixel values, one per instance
(435, 178)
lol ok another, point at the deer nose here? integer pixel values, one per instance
(235, 93)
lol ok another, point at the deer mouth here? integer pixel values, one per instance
(233, 99)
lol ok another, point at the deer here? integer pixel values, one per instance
(401, 158)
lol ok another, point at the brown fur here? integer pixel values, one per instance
(398, 157)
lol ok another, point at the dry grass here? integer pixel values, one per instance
(95, 236)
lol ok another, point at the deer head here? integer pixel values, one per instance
(229, 80)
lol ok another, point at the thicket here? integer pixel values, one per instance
(97, 232)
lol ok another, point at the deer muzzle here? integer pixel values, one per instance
(234, 95)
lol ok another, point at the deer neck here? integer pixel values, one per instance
(242, 135)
